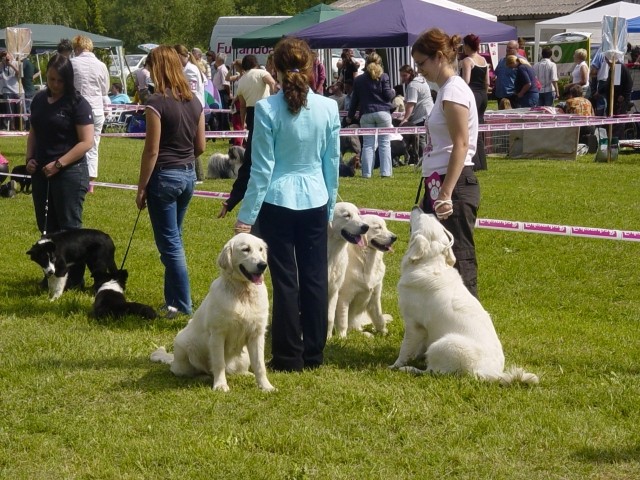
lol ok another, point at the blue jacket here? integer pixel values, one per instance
(370, 96)
(294, 158)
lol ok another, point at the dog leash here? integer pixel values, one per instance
(46, 211)
(131, 238)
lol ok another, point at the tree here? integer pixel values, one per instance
(15, 12)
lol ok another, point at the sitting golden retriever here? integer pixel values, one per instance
(443, 321)
(231, 320)
(359, 298)
(346, 228)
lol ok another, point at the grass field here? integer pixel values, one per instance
(80, 399)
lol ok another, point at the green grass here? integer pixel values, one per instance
(80, 398)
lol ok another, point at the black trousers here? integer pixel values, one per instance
(461, 224)
(297, 241)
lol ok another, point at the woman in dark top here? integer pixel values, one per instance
(475, 71)
(61, 133)
(526, 84)
(372, 95)
(175, 137)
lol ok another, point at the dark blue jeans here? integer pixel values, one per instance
(297, 241)
(168, 195)
(67, 190)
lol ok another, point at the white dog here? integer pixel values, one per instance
(359, 298)
(346, 227)
(232, 316)
(442, 319)
(225, 165)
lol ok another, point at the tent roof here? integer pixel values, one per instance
(398, 24)
(48, 36)
(633, 25)
(271, 34)
(350, 5)
(591, 18)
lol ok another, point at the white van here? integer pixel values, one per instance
(227, 28)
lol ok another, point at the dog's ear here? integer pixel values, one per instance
(449, 257)
(418, 247)
(224, 259)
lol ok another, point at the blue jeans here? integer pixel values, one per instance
(376, 120)
(168, 195)
(545, 99)
(66, 190)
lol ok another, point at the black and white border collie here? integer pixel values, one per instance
(110, 300)
(68, 251)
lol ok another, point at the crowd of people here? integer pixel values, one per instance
(288, 182)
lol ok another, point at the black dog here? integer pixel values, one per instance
(65, 254)
(24, 182)
(110, 300)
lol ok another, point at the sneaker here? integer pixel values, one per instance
(169, 312)
(199, 182)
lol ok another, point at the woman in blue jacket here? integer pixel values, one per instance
(292, 192)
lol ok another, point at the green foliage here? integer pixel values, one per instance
(15, 12)
(188, 22)
(80, 398)
(93, 20)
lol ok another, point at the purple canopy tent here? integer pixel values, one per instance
(398, 23)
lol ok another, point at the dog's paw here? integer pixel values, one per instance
(395, 366)
(223, 387)
(267, 387)
(367, 334)
(412, 370)
(387, 318)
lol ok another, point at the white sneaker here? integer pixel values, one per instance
(199, 182)
(169, 312)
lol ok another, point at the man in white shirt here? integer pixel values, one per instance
(220, 83)
(418, 103)
(91, 79)
(547, 73)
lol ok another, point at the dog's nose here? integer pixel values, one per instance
(393, 238)
(364, 228)
(262, 266)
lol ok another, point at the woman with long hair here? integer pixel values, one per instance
(452, 190)
(175, 138)
(292, 192)
(60, 136)
(372, 95)
(474, 69)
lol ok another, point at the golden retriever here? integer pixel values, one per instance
(347, 227)
(231, 320)
(443, 321)
(359, 298)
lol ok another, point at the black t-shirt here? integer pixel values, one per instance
(178, 127)
(55, 124)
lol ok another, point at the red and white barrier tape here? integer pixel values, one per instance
(493, 127)
(507, 225)
(513, 226)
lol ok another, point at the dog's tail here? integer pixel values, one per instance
(140, 309)
(162, 356)
(519, 375)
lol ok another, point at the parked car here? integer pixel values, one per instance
(134, 62)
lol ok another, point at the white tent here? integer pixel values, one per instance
(589, 21)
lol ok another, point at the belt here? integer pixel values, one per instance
(179, 166)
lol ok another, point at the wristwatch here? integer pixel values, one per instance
(58, 165)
